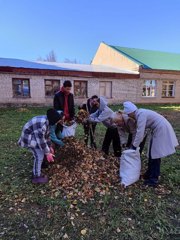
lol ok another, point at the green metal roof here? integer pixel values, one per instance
(151, 59)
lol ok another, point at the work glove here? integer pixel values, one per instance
(49, 157)
(133, 147)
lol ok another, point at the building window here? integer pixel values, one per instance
(105, 89)
(21, 87)
(80, 89)
(168, 89)
(51, 87)
(149, 88)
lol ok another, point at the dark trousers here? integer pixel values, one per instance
(89, 129)
(112, 135)
(153, 171)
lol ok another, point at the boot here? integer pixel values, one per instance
(151, 183)
(39, 179)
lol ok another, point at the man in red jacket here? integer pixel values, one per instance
(64, 101)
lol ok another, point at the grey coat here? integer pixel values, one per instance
(103, 114)
(163, 138)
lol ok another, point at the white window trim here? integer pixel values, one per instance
(155, 88)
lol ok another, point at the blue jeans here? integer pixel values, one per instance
(38, 155)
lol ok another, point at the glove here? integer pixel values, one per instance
(133, 147)
(49, 157)
(123, 145)
(52, 150)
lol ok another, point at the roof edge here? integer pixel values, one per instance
(129, 57)
(73, 73)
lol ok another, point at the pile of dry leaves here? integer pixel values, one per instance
(81, 116)
(81, 172)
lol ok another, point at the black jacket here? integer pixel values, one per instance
(59, 103)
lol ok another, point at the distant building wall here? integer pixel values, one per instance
(159, 76)
(122, 88)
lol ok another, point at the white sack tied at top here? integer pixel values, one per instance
(69, 131)
(130, 167)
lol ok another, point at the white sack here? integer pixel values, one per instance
(130, 166)
(69, 131)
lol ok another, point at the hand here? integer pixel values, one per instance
(61, 121)
(124, 145)
(52, 150)
(133, 147)
(49, 157)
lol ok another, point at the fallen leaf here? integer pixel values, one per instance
(118, 230)
(65, 236)
(84, 231)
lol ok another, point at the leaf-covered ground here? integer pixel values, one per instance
(57, 211)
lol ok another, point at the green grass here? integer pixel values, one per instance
(32, 212)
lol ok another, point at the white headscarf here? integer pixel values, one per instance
(129, 107)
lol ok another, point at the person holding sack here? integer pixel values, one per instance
(127, 125)
(64, 101)
(162, 141)
(35, 137)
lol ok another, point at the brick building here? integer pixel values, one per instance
(118, 73)
(159, 72)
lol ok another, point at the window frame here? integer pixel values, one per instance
(52, 81)
(105, 88)
(151, 88)
(86, 85)
(21, 95)
(167, 84)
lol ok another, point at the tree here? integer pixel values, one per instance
(67, 60)
(50, 57)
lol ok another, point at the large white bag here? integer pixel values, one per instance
(130, 166)
(69, 131)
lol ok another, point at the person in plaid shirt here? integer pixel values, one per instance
(35, 137)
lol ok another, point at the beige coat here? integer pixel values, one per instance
(129, 127)
(163, 137)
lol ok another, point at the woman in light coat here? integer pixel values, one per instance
(127, 126)
(162, 142)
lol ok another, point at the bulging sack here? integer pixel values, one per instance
(130, 166)
(69, 131)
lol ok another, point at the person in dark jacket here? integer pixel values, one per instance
(89, 128)
(64, 101)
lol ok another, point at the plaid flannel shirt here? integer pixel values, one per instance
(35, 134)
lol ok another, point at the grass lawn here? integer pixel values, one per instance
(32, 212)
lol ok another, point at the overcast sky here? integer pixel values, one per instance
(30, 29)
